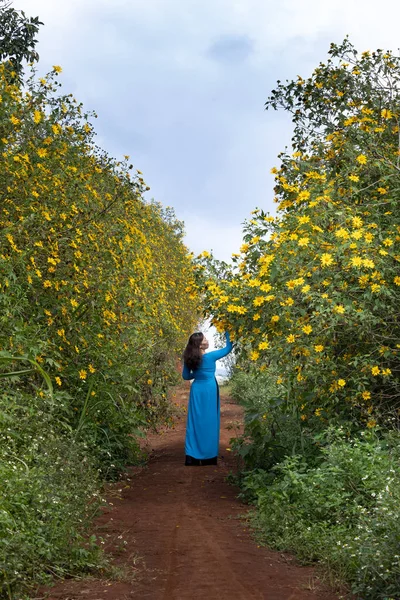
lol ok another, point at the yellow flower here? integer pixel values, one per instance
(367, 262)
(387, 242)
(362, 159)
(275, 318)
(91, 368)
(254, 355)
(375, 371)
(258, 301)
(149, 381)
(326, 259)
(305, 289)
(371, 423)
(254, 282)
(265, 287)
(386, 113)
(303, 195)
(304, 241)
(341, 382)
(57, 69)
(318, 348)
(356, 261)
(57, 380)
(56, 128)
(354, 178)
(366, 395)
(307, 329)
(37, 116)
(290, 339)
(82, 374)
(263, 345)
(397, 280)
(74, 303)
(342, 233)
(339, 309)
(357, 222)
(318, 412)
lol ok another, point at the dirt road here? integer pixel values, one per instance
(178, 530)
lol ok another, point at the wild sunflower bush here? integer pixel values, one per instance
(92, 312)
(315, 290)
(312, 299)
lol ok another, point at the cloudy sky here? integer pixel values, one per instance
(180, 86)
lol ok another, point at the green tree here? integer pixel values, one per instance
(17, 38)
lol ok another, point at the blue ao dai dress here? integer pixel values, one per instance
(203, 419)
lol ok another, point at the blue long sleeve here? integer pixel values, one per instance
(217, 354)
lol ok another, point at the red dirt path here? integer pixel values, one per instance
(179, 531)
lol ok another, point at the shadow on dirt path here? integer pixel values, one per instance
(179, 531)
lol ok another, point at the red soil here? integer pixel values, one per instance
(180, 534)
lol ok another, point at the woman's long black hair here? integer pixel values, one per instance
(192, 355)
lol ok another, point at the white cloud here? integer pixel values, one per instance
(207, 234)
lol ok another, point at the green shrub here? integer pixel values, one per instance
(273, 427)
(343, 513)
(48, 494)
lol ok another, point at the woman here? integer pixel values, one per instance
(202, 427)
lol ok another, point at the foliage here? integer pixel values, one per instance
(17, 38)
(315, 291)
(49, 493)
(326, 494)
(272, 425)
(343, 512)
(92, 313)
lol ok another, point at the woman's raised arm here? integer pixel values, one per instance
(217, 354)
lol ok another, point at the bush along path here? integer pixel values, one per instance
(176, 532)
